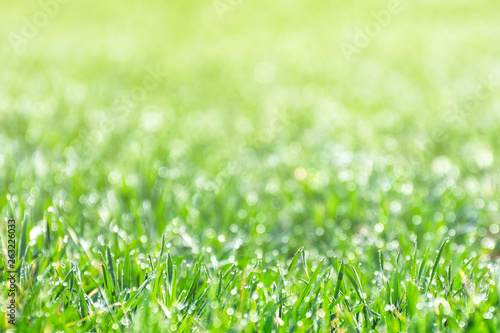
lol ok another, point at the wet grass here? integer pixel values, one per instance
(173, 170)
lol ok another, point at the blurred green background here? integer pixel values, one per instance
(246, 119)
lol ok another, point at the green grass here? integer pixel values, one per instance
(172, 170)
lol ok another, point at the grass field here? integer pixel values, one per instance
(229, 166)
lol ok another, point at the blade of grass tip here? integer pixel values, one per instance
(151, 265)
(358, 309)
(335, 263)
(439, 282)
(274, 287)
(83, 304)
(213, 260)
(131, 302)
(326, 277)
(47, 232)
(173, 293)
(160, 256)
(340, 276)
(436, 262)
(381, 263)
(352, 277)
(229, 270)
(312, 280)
(352, 323)
(412, 298)
(359, 290)
(126, 269)
(194, 285)
(395, 288)
(111, 265)
(11, 205)
(462, 270)
(413, 270)
(201, 298)
(248, 280)
(293, 262)
(220, 285)
(74, 236)
(207, 273)
(71, 283)
(169, 269)
(339, 299)
(388, 291)
(182, 297)
(61, 285)
(159, 280)
(280, 300)
(108, 284)
(229, 284)
(84, 311)
(449, 275)
(304, 263)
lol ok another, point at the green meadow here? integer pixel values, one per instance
(250, 166)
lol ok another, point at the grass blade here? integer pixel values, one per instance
(293, 262)
(436, 262)
(127, 276)
(340, 276)
(307, 289)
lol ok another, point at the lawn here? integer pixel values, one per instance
(244, 166)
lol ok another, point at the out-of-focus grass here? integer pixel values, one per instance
(242, 138)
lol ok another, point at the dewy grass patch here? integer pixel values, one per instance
(166, 170)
